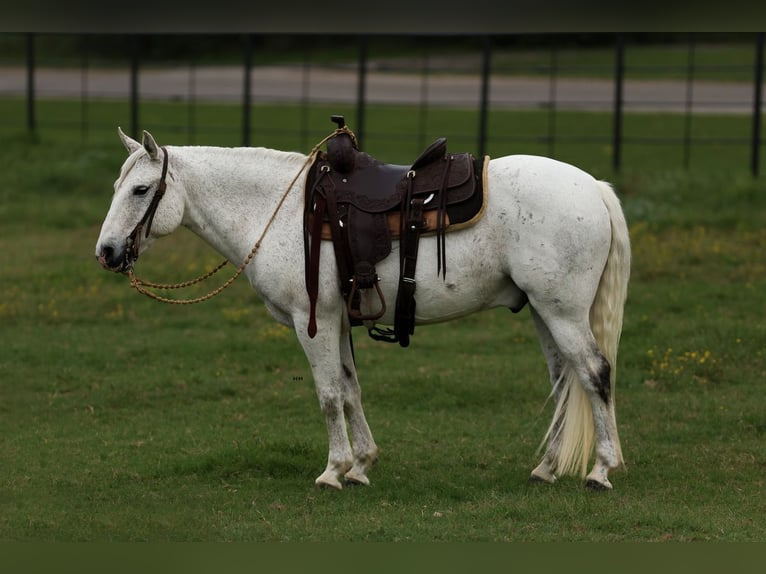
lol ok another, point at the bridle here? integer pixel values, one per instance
(133, 242)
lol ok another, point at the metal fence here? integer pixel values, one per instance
(490, 78)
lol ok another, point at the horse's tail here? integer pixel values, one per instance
(573, 412)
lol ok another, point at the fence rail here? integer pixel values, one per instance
(489, 75)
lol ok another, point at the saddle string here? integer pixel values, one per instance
(142, 286)
(441, 227)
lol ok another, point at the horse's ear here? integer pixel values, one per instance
(150, 145)
(130, 144)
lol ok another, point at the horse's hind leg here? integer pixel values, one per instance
(577, 346)
(544, 472)
(364, 448)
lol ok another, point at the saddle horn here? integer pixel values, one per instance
(341, 148)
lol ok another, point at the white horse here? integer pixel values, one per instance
(551, 235)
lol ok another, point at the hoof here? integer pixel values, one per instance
(328, 480)
(535, 479)
(542, 474)
(597, 486)
(355, 478)
(321, 485)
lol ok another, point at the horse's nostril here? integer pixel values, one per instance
(106, 256)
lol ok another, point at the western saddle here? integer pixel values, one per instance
(362, 204)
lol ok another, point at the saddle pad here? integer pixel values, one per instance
(459, 215)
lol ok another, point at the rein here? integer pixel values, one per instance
(134, 239)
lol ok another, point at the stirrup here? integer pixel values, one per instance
(357, 313)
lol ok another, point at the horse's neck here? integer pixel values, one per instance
(233, 192)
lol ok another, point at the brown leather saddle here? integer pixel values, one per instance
(363, 204)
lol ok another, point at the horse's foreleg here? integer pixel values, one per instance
(323, 354)
(364, 448)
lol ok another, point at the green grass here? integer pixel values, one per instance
(712, 60)
(124, 420)
(399, 133)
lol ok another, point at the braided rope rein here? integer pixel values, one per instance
(142, 286)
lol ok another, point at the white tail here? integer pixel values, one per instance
(576, 432)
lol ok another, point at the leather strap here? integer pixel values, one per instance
(312, 271)
(404, 317)
(441, 222)
(313, 251)
(134, 239)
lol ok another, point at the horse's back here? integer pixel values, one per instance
(544, 191)
(535, 176)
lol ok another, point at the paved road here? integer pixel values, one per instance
(325, 85)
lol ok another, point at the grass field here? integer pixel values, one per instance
(125, 420)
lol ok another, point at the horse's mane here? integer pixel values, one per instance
(265, 153)
(261, 153)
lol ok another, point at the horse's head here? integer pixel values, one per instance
(145, 205)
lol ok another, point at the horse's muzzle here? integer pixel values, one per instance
(112, 259)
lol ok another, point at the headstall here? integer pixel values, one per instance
(134, 239)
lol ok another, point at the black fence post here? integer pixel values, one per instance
(247, 90)
(688, 102)
(755, 163)
(361, 92)
(423, 109)
(305, 97)
(84, 88)
(619, 73)
(486, 60)
(191, 115)
(135, 58)
(31, 120)
(554, 70)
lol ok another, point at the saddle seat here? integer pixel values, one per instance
(361, 204)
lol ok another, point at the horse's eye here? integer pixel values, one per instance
(140, 190)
